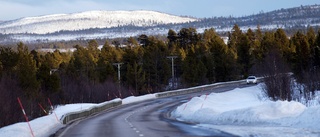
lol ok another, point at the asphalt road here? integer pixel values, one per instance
(144, 119)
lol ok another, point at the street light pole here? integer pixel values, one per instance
(172, 67)
(118, 65)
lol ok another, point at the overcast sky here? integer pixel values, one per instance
(13, 9)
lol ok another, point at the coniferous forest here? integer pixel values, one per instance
(90, 75)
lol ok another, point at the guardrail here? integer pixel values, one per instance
(196, 89)
(69, 117)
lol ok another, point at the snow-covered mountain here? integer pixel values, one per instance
(116, 24)
(88, 20)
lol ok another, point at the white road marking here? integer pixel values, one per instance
(127, 119)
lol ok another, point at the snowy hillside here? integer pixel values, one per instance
(123, 24)
(87, 20)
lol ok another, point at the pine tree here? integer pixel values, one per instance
(84, 63)
(50, 81)
(108, 56)
(209, 37)
(155, 64)
(316, 51)
(93, 50)
(26, 70)
(234, 38)
(257, 53)
(311, 36)
(136, 77)
(282, 44)
(9, 60)
(172, 37)
(267, 43)
(132, 42)
(188, 37)
(244, 56)
(302, 54)
(133, 58)
(196, 74)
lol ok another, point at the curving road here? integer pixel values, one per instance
(144, 119)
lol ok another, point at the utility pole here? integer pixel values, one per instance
(172, 68)
(119, 66)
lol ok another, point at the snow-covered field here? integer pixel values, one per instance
(248, 112)
(243, 112)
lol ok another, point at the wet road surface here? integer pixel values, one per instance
(149, 118)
